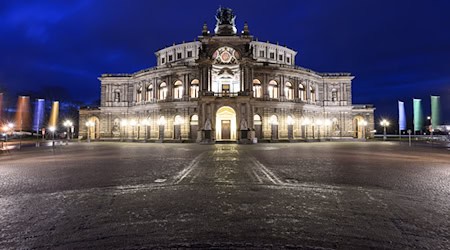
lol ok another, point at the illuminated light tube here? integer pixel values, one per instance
(53, 122)
(38, 119)
(23, 116)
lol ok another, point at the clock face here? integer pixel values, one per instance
(226, 55)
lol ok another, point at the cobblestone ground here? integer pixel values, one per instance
(310, 195)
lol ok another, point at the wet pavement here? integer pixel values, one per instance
(351, 195)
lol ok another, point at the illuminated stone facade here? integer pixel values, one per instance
(227, 87)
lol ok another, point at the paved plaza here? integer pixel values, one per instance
(348, 195)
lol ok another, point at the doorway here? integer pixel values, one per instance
(226, 129)
(226, 123)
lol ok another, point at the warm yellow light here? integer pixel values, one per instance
(5, 128)
(362, 123)
(319, 122)
(384, 123)
(178, 120)
(290, 120)
(90, 123)
(67, 123)
(146, 122)
(306, 121)
(133, 122)
(327, 122)
(162, 121)
(124, 122)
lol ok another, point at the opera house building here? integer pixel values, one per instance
(226, 86)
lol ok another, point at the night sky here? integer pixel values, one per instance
(398, 50)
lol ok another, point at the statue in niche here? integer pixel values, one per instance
(244, 125)
(207, 124)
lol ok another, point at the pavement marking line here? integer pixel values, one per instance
(186, 171)
(269, 174)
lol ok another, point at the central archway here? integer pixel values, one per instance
(226, 124)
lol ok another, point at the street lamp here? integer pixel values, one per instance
(305, 123)
(6, 128)
(68, 124)
(89, 124)
(363, 124)
(385, 124)
(52, 129)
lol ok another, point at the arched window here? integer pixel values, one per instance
(289, 91)
(290, 120)
(178, 90)
(163, 91)
(301, 92)
(194, 88)
(149, 92)
(178, 120)
(139, 95)
(194, 120)
(313, 94)
(257, 119)
(273, 89)
(257, 89)
(117, 95)
(333, 95)
(273, 120)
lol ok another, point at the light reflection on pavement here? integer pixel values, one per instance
(310, 195)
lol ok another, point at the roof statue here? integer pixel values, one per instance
(225, 25)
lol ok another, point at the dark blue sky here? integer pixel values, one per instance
(396, 49)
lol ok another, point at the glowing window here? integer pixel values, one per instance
(313, 94)
(289, 91)
(163, 91)
(257, 89)
(178, 90)
(194, 88)
(149, 92)
(257, 119)
(273, 89)
(301, 92)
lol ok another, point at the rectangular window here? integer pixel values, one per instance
(189, 54)
(288, 59)
(280, 57)
(272, 55)
(178, 56)
(163, 60)
(170, 58)
(261, 53)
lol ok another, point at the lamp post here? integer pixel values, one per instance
(385, 124)
(7, 129)
(68, 124)
(52, 129)
(305, 123)
(89, 124)
(363, 124)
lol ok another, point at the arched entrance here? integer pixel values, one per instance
(358, 127)
(226, 124)
(94, 130)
